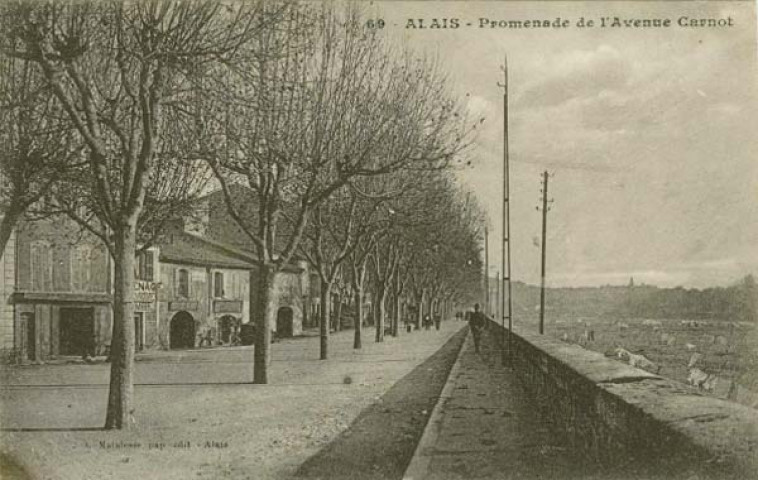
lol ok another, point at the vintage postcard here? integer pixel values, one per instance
(378, 239)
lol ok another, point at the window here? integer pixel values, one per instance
(81, 266)
(139, 331)
(41, 267)
(145, 266)
(218, 285)
(182, 283)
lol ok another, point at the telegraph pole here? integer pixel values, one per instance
(498, 312)
(486, 273)
(506, 245)
(545, 209)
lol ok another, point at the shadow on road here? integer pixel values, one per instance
(380, 442)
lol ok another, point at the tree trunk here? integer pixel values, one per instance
(326, 308)
(120, 394)
(358, 318)
(420, 313)
(396, 306)
(396, 316)
(10, 218)
(380, 314)
(338, 312)
(266, 309)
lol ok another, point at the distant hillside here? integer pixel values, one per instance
(737, 303)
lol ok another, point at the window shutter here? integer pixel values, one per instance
(149, 267)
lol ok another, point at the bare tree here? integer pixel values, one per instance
(343, 223)
(328, 241)
(439, 229)
(39, 143)
(385, 259)
(373, 218)
(358, 262)
(120, 71)
(325, 103)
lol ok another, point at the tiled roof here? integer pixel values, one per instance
(222, 227)
(189, 249)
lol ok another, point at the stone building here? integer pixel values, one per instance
(7, 287)
(192, 289)
(297, 286)
(61, 299)
(204, 293)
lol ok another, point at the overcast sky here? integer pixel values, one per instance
(651, 135)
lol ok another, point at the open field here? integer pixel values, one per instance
(728, 350)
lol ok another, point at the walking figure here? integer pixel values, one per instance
(235, 338)
(476, 323)
(207, 338)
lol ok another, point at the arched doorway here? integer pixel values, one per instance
(284, 322)
(182, 334)
(227, 325)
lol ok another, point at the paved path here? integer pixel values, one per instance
(74, 395)
(53, 426)
(486, 426)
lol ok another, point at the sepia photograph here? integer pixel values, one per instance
(390, 239)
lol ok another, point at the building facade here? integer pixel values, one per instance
(61, 299)
(191, 290)
(204, 293)
(296, 286)
(7, 287)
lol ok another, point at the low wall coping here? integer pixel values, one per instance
(727, 431)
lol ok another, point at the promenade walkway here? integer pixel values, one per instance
(197, 415)
(486, 426)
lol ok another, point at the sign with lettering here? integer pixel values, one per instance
(227, 306)
(145, 286)
(142, 297)
(186, 305)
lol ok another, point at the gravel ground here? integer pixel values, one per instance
(195, 417)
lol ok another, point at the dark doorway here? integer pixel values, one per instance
(227, 325)
(139, 331)
(284, 322)
(77, 331)
(182, 334)
(28, 337)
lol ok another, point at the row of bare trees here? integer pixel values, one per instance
(120, 114)
(412, 241)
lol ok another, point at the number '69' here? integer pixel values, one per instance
(378, 23)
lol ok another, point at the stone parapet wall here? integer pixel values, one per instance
(613, 412)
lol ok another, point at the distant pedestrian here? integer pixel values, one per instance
(476, 323)
(437, 321)
(427, 322)
(207, 338)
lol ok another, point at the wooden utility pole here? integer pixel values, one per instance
(545, 209)
(487, 310)
(498, 312)
(506, 245)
